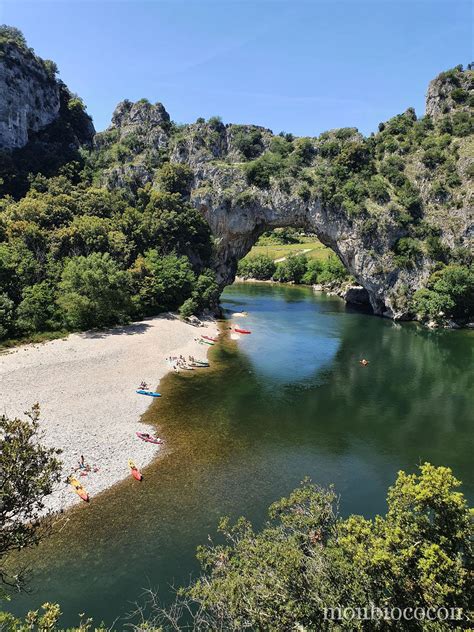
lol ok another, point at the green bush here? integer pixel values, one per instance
(314, 267)
(262, 169)
(333, 271)
(6, 315)
(449, 294)
(161, 283)
(407, 251)
(306, 560)
(188, 308)
(378, 189)
(175, 178)
(37, 310)
(206, 290)
(258, 267)
(291, 270)
(248, 141)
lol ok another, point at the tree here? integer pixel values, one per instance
(171, 225)
(93, 292)
(248, 140)
(161, 283)
(291, 270)
(37, 310)
(259, 267)
(28, 473)
(206, 290)
(314, 268)
(12, 34)
(260, 171)
(175, 178)
(449, 294)
(6, 315)
(307, 560)
(188, 308)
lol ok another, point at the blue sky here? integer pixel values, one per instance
(301, 66)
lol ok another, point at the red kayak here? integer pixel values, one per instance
(209, 338)
(242, 331)
(144, 436)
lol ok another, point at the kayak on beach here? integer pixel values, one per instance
(141, 391)
(200, 365)
(144, 436)
(135, 472)
(209, 338)
(79, 489)
(206, 342)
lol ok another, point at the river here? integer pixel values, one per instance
(288, 401)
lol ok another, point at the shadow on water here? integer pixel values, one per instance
(290, 400)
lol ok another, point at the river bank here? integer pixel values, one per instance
(85, 385)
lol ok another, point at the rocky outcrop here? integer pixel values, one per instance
(450, 90)
(29, 96)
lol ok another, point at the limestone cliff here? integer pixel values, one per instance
(29, 96)
(42, 124)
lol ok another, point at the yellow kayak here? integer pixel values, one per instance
(79, 489)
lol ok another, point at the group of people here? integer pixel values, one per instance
(84, 468)
(179, 362)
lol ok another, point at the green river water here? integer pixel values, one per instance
(290, 400)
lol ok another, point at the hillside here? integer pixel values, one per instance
(162, 213)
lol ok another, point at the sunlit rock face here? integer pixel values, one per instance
(29, 97)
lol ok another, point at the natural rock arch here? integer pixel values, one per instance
(237, 228)
(365, 233)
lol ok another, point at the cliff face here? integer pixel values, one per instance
(29, 96)
(42, 124)
(380, 203)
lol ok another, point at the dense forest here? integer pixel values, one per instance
(98, 230)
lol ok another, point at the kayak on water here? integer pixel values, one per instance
(135, 472)
(141, 391)
(242, 331)
(144, 436)
(209, 338)
(79, 489)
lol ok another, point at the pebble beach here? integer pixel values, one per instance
(85, 385)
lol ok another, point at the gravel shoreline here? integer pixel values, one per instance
(85, 385)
